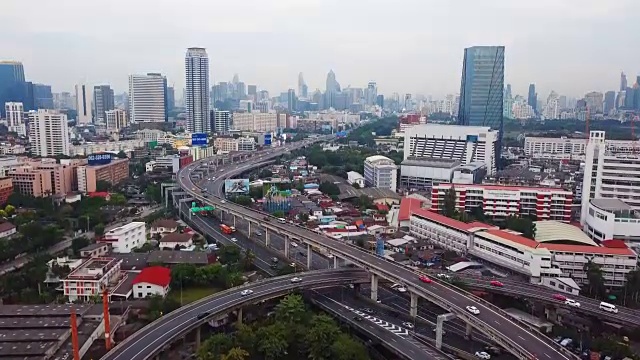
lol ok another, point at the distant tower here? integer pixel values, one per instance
(302, 87)
(623, 81)
(532, 100)
(197, 90)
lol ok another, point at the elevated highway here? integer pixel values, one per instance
(153, 338)
(515, 336)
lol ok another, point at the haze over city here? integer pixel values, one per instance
(571, 47)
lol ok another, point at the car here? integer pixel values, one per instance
(483, 355)
(496, 283)
(572, 302)
(472, 309)
(444, 276)
(401, 289)
(368, 310)
(294, 244)
(258, 233)
(203, 315)
(296, 280)
(223, 201)
(292, 264)
(246, 292)
(193, 189)
(274, 266)
(234, 239)
(357, 318)
(559, 297)
(493, 350)
(408, 325)
(425, 279)
(274, 260)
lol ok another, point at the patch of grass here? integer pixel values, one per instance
(192, 294)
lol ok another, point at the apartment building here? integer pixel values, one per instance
(502, 201)
(116, 119)
(564, 148)
(258, 122)
(468, 144)
(113, 173)
(6, 189)
(125, 238)
(558, 256)
(612, 219)
(106, 146)
(380, 172)
(48, 133)
(31, 181)
(246, 144)
(225, 144)
(12, 149)
(15, 118)
(91, 278)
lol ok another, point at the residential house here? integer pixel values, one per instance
(152, 280)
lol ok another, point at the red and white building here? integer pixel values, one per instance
(152, 280)
(560, 253)
(503, 201)
(91, 278)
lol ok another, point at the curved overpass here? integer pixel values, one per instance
(515, 336)
(151, 339)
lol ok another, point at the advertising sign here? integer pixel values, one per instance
(236, 186)
(199, 139)
(99, 159)
(267, 139)
(501, 194)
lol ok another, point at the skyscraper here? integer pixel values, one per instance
(11, 83)
(43, 98)
(302, 87)
(197, 90)
(371, 93)
(221, 122)
(332, 89)
(482, 86)
(171, 98)
(609, 101)
(48, 133)
(532, 99)
(147, 98)
(15, 118)
(252, 92)
(83, 104)
(623, 81)
(103, 101)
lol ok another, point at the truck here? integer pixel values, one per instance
(225, 229)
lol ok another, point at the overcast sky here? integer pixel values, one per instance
(407, 46)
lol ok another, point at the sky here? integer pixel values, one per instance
(406, 46)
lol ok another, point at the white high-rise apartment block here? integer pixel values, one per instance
(15, 118)
(221, 121)
(48, 133)
(380, 172)
(263, 122)
(611, 171)
(551, 109)
(83, 104)
(464, 143)
(116, 119)
(197, 90)
(147, 98)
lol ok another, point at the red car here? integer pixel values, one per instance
(496, 283)
(425, 279)
(559, 297)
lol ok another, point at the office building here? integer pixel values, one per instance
(197, 90)
(499, 202)
(6, 189)
(482, 89)
(609, 102)
(612, 219)
(83, 104)
(32, 182)
(623, 81)
(91, 278)
(48, 133)
(221, 121)
(116, 119)
(11, 82)
(559, 250)
(147, 98)
(532, 99)
(467, 144)
(380, 172)
(552, 109)
(595, 101)
(113, 173)
(252, 93)
(171, 98)
(260, 122)
(103, 101)
(225, 144)
(15, 118)
(371, 93)
(43, 98)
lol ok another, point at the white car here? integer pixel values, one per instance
(474, 310)
(408, 325)
(401, 289)
(296, 280)
(444, 276)
(246, 292)
(294, 244)
(483, 355)
(234, 239)
(572, 302)
(223, 201)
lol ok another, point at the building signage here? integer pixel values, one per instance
(199, 139)
(501, 195)
(99, 159)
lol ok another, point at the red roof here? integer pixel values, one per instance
(518, 239)
(501, 187)
(441, 219)
(157, 275)
(587, 249)
(614, 244)
(382, 207)
(407, 206)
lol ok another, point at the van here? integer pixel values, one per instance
(282, 221)
(608, 307)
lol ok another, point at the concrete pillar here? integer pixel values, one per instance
(266, 237)
(413, 310)
(335, 262)
(374, 287)
(468, 331)
(198, 337)
(234, 220)
(440, 320)
(286, 246)
(239, 316)
(249, 228)
(309, 255)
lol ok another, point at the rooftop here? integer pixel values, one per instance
(407, 206)
(92, 269)
(555, 231)
(178, 257)
(502, 187)
(124, 228)
(177, 238)
(611, 205)
(165, 223)
(157, 275)
(431, 162)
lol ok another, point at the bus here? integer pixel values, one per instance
(225, 229)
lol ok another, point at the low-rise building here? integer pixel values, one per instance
(125, 238)
(7, 229)
(173, 240)
(560, 253)
(91, 278)
(163, 226)
(95, 250)
(354, 177)
(153, 280)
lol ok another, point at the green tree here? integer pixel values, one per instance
(449, 202)
(279, 214)
(229, 254)
(247, 259)
(304, 217)
(121, 155)
(272, 341)
(291, 309)
(153, 193)
(245, 337)
(633, 284)
(214, 346)
(595, 279)
(78, 243)
(345, 348)
(117, 199)
(236, 353)
(365, 202)
(329, 188)
(265, 173)
(99, 230)
(102, 186)
(242, 200)
(322, 333)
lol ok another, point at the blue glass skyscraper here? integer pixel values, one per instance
(12, 83)
(482, 89)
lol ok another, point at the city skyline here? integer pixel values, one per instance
(554, 42)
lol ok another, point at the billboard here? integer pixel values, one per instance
(99, 159)
(267, 139)
(199, 139)
(236, 186)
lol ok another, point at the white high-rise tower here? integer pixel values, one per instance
(197, 90)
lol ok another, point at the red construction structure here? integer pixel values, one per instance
(74, 335)
(107, 325)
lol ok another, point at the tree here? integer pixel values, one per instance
(78, 243)
(99, 230)
(304, 217)
(242, 200)
(9, 209)
(291, 309)
(322, 332)
(633, 284)
(365, 202)
(121, 155)
(279, 214)
(345, 348)
(449, 202)
(245, 337)
(595, 279)
(214, 346)
(247, 259)
(229, 254)
(153, 193)
(266, 173)
(117, 199)
(272, 341)
(329, 188)
(235, 353)
(103, 186)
